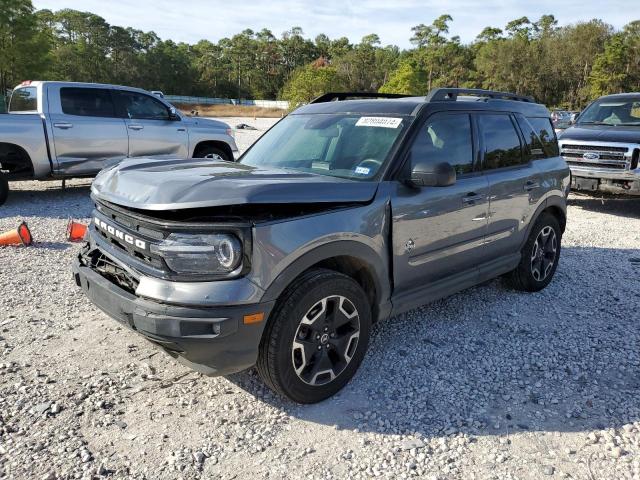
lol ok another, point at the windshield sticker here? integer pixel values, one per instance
(384, 122)
(362, 170)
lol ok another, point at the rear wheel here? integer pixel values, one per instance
(540, 256)
(317, 337)
(212, 152)
(4, 189)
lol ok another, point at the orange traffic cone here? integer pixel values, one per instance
(75, 231)
(19, 236)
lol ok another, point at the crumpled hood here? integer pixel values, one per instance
(172, 184)
(602, 133)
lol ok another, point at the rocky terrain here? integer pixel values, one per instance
(488, 383)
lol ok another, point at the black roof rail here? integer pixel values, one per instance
(339, 96)
(445, 94)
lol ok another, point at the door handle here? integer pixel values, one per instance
(136, 127)
(63, 125)
(531, 185)
(471, 198)
(182, 129)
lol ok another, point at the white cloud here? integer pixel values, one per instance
(192, 20)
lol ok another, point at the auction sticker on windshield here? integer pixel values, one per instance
(384, 122)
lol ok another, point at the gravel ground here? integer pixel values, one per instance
(488, 383)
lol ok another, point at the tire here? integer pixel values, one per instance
(540, 256)
(212, 152)
(4, 189)
(303, 355)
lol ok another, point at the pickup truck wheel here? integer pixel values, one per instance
(4, 189)
(317, 337)
(540, 256)
(212, 152)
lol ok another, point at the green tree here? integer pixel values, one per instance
(23, 46)
(311, 81)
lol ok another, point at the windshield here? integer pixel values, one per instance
(624, 111)
(339, 145)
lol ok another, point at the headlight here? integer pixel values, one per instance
(200, 254)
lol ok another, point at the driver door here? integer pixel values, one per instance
(439, 232)
(151, 129)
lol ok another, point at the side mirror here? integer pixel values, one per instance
(427, 174)
(173, 114)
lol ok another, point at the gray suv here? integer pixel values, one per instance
(346, 212)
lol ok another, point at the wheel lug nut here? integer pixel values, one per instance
(317, 337)
(319, 347)
(326, 329)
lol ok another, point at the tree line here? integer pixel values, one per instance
(560, 66)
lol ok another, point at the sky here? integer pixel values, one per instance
(193, 20)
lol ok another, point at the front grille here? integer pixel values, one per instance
(609, 157)
(130, 224)
(621, 166)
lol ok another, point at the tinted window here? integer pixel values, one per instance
(142, 107)
(446, 138)
(533, 145)
(546, 133)
(87, 102)
(24, 100)
(501, 141)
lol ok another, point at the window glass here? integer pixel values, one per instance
(547, 135)
(24, 100)
(612, 111)
(446, 138)
(501, 141)
(533, 145)
(139, 106)
(87, 102)
(339, 145)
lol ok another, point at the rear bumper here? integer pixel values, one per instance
(212, 340)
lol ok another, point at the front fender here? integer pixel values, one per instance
(284, 250)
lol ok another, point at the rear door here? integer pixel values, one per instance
(150, 127)
(514, 182)
(439, 232)
(87, 134)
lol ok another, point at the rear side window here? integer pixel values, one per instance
(87, 102)
(139, 106)
(24, 100)
(502, 146)
(447, 138)
(533, 145)
(544, 128)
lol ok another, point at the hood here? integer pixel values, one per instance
(602, 133)
(150, 184)
(205, 123)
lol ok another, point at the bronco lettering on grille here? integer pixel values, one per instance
(119, 234)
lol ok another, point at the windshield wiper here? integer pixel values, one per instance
(593, 123)
(635, 124)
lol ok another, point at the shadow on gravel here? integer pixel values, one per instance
(623, 206)
(52, 245)
(491, 361)
(50, 202)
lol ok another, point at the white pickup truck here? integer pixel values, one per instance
(57, 130)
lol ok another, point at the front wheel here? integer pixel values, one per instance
(317, 337)
(540, 256)
(212, 152)
(4, 189)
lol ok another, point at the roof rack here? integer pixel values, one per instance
(451, 94)
(339, 96)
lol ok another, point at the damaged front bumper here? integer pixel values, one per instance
(212, 338)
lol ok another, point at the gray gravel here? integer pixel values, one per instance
(488, 383)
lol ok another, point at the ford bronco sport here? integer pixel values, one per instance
(344, 213)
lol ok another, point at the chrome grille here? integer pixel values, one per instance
(607, 157)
